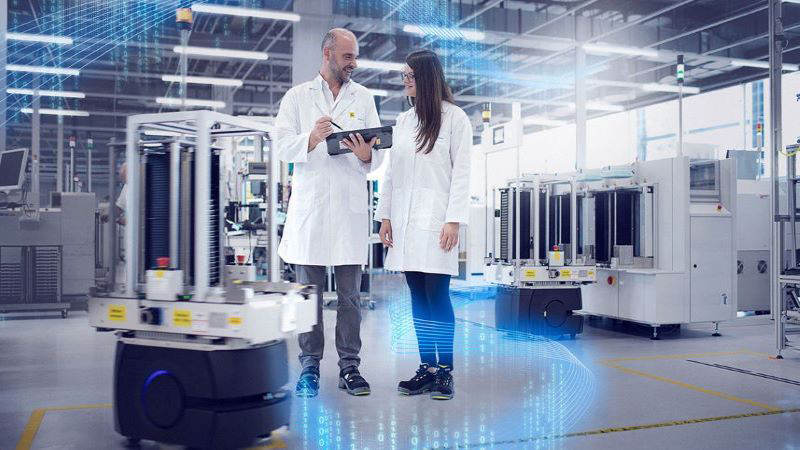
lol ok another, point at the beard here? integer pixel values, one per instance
(339, 72)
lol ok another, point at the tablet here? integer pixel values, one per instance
(336, 147)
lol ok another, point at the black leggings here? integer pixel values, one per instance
(434, 321)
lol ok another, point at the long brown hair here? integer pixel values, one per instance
(432, 90)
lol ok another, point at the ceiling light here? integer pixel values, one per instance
(598, 106)
(203, 80)
(533, 120)
(56, 112)
(220, 52)
(42, 69)
(761, 64)
(445, 33)
(173, 101)
(62, 94)
(380, 65)
(379, 92)
(163, 133)
(245, 12)
(43, 38)
(658, 87)
(605, 49)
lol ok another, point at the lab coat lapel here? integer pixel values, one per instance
(318, 99)
(342, 106)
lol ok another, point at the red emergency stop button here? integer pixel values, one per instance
(611, 281)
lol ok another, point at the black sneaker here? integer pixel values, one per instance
(353, 382)
(308, 384)
(419, 384)
(443, 388)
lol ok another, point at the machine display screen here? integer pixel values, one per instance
(703, 177)
(11, 164)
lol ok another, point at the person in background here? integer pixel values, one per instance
(327, 221)
(424, 201)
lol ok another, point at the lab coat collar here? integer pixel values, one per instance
(347, 96)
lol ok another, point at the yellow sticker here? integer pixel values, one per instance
(378, 141)
(566, 273)
(182, 318)
(116, 313)
(352, 114)
(591, 273)
(530, 273)
(235, 321)
(159, 274)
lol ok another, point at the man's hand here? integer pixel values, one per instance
(448, 238)
(362, 150)
(385, 233)
(322, 129)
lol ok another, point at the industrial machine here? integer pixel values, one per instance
(201, 356)
(664, 241)
(47, 255)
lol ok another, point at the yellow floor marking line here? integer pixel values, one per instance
(35, 421)
(611, 362)
(647, 426)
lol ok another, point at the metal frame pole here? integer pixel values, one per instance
(174, 203)
(112, 215)
(60, 155)
(775, 71)
(132, 208)
(35, 141)
(201, 206)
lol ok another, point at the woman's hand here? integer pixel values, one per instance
(385, 233)
(448, 238)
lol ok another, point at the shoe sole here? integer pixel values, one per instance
(409, 392)
(356, 392)
(440, 396)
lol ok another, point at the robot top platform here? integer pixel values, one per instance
(189, 123)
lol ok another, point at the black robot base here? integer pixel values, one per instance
(220, 399)
(545, 311)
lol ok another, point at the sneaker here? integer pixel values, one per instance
(308, 384)
(419, 384)
(352, 381)
(442, 388)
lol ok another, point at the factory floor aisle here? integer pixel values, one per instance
(611, 387)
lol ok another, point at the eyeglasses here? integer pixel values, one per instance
(404, 76)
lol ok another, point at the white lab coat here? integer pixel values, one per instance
(421, 192)
(327, 223)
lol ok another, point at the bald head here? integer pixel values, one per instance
(336, 35)
(339, 55)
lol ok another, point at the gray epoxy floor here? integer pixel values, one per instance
(508, 391)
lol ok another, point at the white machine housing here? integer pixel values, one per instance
(693, 275)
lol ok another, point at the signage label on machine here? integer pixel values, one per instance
(181, 318)
(530, 274)
(116, 313)
(200, 321)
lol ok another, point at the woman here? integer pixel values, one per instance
(424, 201)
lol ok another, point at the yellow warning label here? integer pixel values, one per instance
(116, 313)
(566, 273)
(235, 321)
(352, 115)
(530, 273)
(159, 274)
(378, 141)
(182, 318)
(591, 273)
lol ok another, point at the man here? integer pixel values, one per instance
(327, 222)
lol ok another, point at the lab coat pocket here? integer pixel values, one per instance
(431, 209)
(358, 197)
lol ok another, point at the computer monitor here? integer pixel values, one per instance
(12, 169)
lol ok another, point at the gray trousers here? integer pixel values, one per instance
(348, 316)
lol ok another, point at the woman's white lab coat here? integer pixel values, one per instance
(327, 223)
(421, 192)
